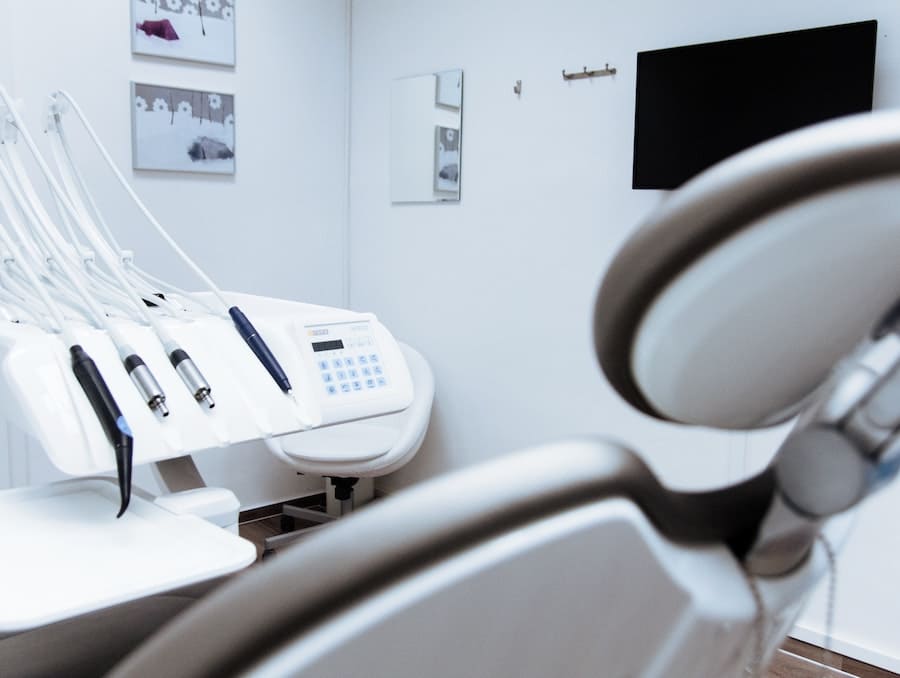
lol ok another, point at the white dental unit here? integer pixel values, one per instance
(90, 569)
(316, 343)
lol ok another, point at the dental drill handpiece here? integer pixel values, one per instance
(259, 347)
(114, 425)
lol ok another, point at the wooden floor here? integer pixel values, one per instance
(795, 660)
(258, 530)
(267, 521)
(802, 660)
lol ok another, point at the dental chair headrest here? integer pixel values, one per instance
(733, 301)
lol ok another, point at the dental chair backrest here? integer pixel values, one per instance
(741, 292)
(736, 298)
(534, 565)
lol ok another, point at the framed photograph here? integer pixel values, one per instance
(182, 130)
(195, 30)
(446, 154)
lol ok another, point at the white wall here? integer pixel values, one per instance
(497, 291)
(276, 227)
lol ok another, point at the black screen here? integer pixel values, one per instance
(698, 104)
(332, 345)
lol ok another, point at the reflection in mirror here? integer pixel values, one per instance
(426, 122)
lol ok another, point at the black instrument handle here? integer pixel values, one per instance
(114, 425)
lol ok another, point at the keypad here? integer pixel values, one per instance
(343, 374)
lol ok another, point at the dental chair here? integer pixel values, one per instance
(347, 452)
(758, 292)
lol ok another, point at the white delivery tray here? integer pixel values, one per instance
(65, 553)
(40, 393)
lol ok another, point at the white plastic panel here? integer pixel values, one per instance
(756, 324)
(40, 392)
(67, 554)
(356, 441)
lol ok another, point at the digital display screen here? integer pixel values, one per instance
(698, 104)
(327, 345)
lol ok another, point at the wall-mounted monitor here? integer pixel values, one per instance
(698, 104)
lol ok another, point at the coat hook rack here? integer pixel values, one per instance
(596, 73)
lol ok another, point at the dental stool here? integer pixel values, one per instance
(366, 449)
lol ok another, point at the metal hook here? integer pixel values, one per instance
(588, 74)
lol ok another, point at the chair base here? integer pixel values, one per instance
(342, 496)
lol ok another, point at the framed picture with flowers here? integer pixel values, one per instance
(446, 156)
(182, 130)
(194, 30)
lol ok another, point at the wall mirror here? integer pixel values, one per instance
(426, 140)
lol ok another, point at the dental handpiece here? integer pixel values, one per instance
(146, 384)
(246, 329)
(192, 377)
(114, 425)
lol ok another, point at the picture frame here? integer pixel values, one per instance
(189, 30)
(446, 159)
(182, 130)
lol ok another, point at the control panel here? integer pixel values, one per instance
(348, 362)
